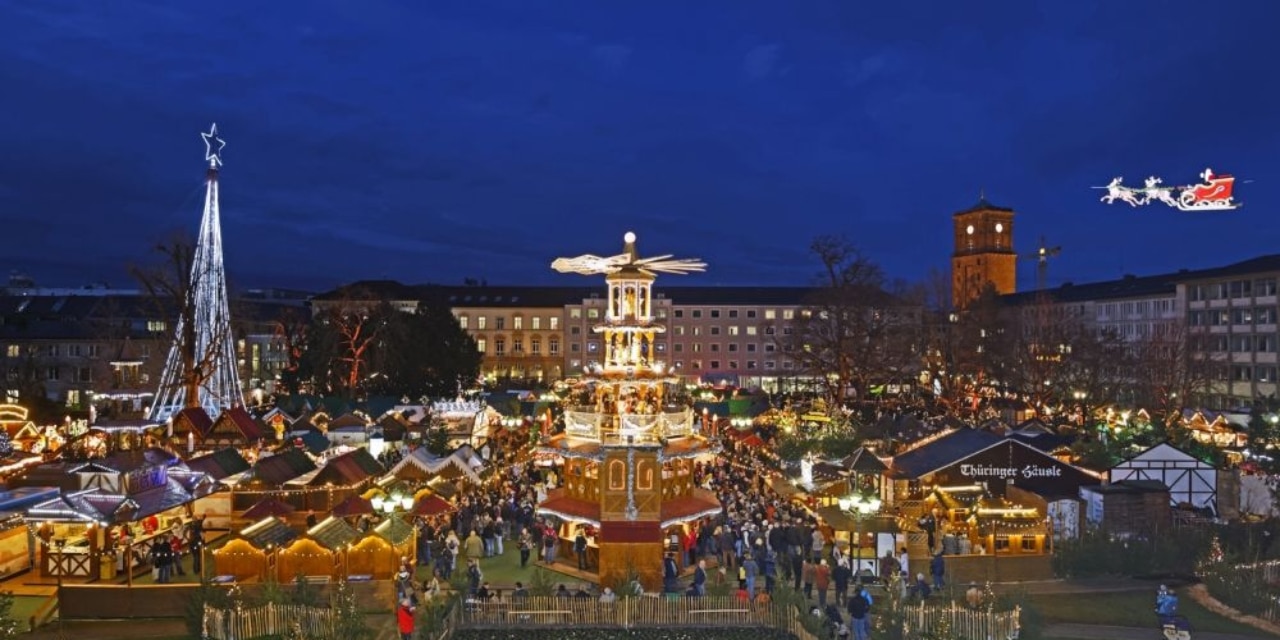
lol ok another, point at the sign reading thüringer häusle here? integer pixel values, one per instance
(1005, 473)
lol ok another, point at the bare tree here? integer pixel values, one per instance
(169, 287)
(1174, 366)
(343, 337)
(290, 332)
(848, 332)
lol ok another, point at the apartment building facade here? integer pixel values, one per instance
(107, 348)
(713, 334)
(1225, 316)
(1231, 314)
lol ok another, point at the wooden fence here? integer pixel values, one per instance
(710, 612)
(268, 620)
(963, 622)
(625, 613)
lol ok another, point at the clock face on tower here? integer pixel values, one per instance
(999, 228)
(969, 230)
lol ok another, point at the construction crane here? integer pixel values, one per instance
(1041, 256)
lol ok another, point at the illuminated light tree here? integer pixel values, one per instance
(201, 369)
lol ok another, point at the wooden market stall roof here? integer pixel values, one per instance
(354, 505)
(864, 462)
(348, 469)
(268, 507)
(394, 530)
(276, 470)
(221, 464)
(235, 423)
(268, 531)
(334, 533)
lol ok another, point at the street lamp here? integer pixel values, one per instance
(390, 504)
(859, 506)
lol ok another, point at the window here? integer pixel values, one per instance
(715, 364)
(751, 364)
(593, 313)
(155, 326)
(553, 346)
(697, 331)
(73, 350)
(593, 347)
(770, 365)
(751, 347)
(770, 314)
(661, 347)
(1238, 374)
(1242, 316)
(733, 346)
(535, 347)
(715, 346)
(733, 313)
(480, 322)
(499, 323)
(768, 331)
(51, 374)
(715, 331)
(84, 374)
(575, 347)
(1002, 542)
(697, 313)
(537, 323)
(575, 330)
(575, 313)
(751, 313)
(1028, 543)
(1241, 288)
(1266, 344)
(462, 322)
(13, 351)
(715, 313)
(73, 398)
(1265, 374)
(499, 347)
(679, 313)
(1264, 287)
(733, 331)
(788, 314)
(679, 331)
(1242, 344)
(1264, 315)
(553, 323)
(733, 364)
(517, 346)
(679, 347)
(770, 347)
(751, 331)
(517, 323)
(697, 347)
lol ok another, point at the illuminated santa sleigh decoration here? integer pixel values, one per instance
(1214, 195)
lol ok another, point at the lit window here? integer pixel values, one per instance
(480, 323)
(481, 345)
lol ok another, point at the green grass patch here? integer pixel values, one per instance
(1130, 609)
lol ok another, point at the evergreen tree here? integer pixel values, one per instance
(9, 627)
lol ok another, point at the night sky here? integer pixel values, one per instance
(432, 141)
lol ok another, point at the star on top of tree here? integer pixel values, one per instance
(213, 146)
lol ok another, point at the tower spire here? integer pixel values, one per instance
(201, 369)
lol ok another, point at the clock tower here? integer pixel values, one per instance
(983, 252)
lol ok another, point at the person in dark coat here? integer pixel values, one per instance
(162, 558)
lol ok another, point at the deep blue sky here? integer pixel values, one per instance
(430, 141)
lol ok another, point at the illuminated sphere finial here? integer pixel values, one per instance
(629, 237)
